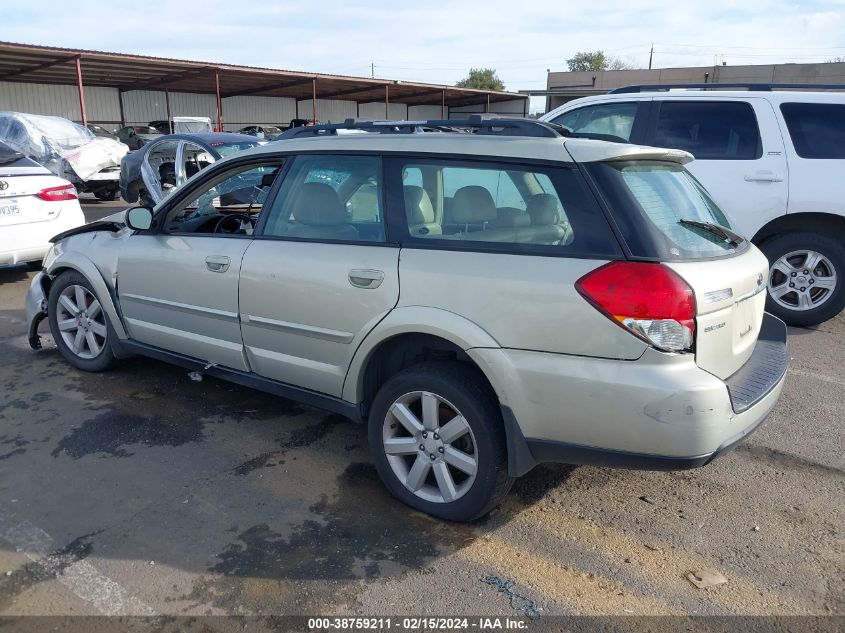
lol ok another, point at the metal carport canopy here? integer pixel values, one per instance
(49, 65)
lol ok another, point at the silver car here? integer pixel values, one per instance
(483, 295)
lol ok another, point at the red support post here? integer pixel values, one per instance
(81, 91)
(443, 105)
(487, 108)
(219, 103)
(386, 101)
(314, 100)
(167, 107)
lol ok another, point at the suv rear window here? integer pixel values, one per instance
(817, 129)
(663, 212)
(506, 207)
(709, 130)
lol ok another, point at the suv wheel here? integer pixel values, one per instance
(806, 277)
(436, 432)
(78, 323)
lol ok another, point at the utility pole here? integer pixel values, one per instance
(650, 56)
(372, 70)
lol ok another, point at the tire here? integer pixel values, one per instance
(788, 256)
(106, 194)
(458, 389)
(92, 353)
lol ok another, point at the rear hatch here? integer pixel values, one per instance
(665, 215)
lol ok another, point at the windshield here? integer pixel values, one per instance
(663, 212)
(227, 149)
(144, 129)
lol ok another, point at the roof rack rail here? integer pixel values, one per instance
(763, 87)
(491, 124)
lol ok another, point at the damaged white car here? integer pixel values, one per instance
(69, 150)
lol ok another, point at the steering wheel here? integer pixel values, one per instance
(235, 223)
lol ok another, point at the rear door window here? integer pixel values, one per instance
(709, 130)
(505, 207)
(817, 129)
(609, 119)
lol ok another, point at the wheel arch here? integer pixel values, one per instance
(825, 223)
(74, 260)
(406, 331)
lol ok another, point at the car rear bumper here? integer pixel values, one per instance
(661, 412)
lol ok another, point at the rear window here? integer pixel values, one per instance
(709, 130)
(663, 212)
(817, 129)
(227, 149)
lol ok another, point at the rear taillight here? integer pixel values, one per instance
(649, 300)
(57, 194)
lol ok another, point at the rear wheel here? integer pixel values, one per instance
(806, 277)
(79, 324)
(437, 436)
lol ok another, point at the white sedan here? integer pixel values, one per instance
(35, 205)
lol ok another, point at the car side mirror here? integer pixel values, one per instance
(139, 218)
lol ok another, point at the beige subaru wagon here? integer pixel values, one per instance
(482, 295)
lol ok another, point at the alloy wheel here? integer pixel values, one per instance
(430, 447)
(802, 280)
(81, 321)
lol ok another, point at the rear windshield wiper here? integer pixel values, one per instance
(729, 236)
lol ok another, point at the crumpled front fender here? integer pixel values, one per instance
(75, 260)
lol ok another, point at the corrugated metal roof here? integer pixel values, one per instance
(54, 65)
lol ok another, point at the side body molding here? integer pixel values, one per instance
(82, 264)
(414, 320)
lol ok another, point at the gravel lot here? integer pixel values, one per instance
(139, 491)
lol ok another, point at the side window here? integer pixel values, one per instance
(506, 207)
(817, 129)
(194, 159)
(610, 119)
(162, 160)
(709, 130)
(330, 198)
(229, 203)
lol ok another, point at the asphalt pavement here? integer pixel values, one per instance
(139, 491)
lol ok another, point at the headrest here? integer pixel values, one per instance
(418, 205)
(509, 217)
(544, 209)
(473, 205)
(317, 204)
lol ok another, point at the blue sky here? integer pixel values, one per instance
(439, 41)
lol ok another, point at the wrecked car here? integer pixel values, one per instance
(480, 302)
(69, 150)
(152, 172)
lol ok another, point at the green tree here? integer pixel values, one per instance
(594, 61)
(481, 79)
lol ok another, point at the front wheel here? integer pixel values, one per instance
(437, 437)
(806, 276)
(79, 324)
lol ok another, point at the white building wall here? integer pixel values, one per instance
(515, 107)
(101, 103)
(241, 111)
(375, 110)
(328, 110)
(425, 112)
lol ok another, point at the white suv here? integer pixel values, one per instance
(483, 295)
(773, 160)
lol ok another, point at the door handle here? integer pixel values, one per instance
(366, 278)
(763, 176)
(217, 263)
